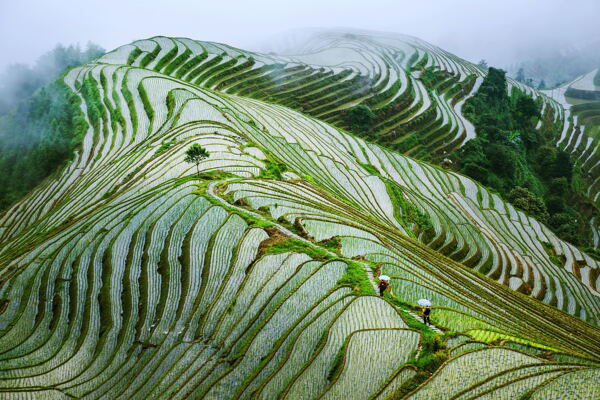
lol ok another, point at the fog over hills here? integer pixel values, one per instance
(503, 33)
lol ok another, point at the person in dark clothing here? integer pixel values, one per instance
(426, 313)
(382, 286)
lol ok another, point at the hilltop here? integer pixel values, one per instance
(128, 275)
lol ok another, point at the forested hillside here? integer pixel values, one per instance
(40, 120)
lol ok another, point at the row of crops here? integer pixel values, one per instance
(133, 286)
(179, 300)
(508, 243)
(373, 71)
(125, 277)
(416, 90)
(469, 224)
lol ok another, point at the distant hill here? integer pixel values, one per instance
(562, 66)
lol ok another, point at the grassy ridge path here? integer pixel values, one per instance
(210, 192)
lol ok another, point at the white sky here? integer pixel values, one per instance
(499, 31)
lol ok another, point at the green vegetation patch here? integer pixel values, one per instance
(149, 57)
(522, 163)
(431, 357)
(338, 362)
(405, 212)
(491, 336)
(360, 118)
(165, 146)
(135, 53)
(146, 102)
(273, 169)
(433, 353)
(294, 245)
(581, 94)
(356, 278)
(40, 135)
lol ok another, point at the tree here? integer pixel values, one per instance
(194, 154)
(503, 160)
(360, 117)
(525, 200)
(559, 186)
(37, 137)
(525, 110)
(562, 166)
(555, 205)
(542, 85)
(565, 227)
(520, 75)
(483, 64)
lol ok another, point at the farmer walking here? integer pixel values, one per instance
(426, 313)
(426, 310)
(383, 284)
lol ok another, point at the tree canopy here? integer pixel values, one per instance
(195, 154)
(360, 117)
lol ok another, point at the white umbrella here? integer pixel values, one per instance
(424, 302)
(384, 277)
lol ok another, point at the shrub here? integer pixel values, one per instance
(522, 198)
(360, 117)
(555, 205)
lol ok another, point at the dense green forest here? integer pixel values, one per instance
(39, 126)
(36, 138)
(520, 162)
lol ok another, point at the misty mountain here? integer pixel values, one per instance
(19, 81)
(560, 65)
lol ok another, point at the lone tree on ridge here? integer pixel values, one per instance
(194, 154)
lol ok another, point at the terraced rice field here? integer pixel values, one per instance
(330, 73)
(581, 101)
(128, 275)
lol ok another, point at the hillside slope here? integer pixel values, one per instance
(416, 91)
(129, 276)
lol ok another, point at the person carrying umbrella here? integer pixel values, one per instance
(426, 310)
(383, 284)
